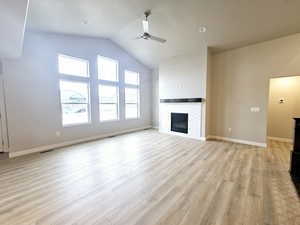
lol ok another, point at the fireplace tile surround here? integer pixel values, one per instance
(194, 111)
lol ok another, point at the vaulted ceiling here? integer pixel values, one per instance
(12, 27)
(230, 23)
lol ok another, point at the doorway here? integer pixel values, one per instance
(284, 105)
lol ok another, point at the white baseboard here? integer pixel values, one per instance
(281, 139)
(68, 143)
(264, 145)
(179, 134)
(155, 127)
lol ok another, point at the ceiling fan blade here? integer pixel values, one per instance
(161, 40)
(146, 26)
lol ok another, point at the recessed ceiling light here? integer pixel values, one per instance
(202, 29)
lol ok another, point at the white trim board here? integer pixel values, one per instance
(281, 139)
(69, 143)
(174, 133)
(259, 144)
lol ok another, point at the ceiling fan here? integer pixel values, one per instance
(146, 35)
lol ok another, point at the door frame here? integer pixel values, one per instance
(268, 104)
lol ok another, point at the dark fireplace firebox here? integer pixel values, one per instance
(179, 122)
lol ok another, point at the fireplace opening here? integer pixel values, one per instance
(179, 122)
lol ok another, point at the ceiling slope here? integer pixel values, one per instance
(230, 23)
(12, 26)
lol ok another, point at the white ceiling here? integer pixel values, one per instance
(230, 23)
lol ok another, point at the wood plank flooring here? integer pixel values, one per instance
(149, 178)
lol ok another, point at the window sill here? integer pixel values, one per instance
(135, 118)
(110, 121)
(76, 124)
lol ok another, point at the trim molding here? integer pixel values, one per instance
(69, 143)
(203, 138)
(281, 139)
(198, 138)
(259, 144)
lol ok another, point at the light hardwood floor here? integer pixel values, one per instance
(148, 178)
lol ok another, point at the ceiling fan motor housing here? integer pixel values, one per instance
(147, 13)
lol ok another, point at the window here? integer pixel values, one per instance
(73, 66)
(131, 78)
(108, 89)
(74, 97)
(75, 82)
(74, 90)
(107, 69)
(132, 81)
(108, 102)
(131, 103)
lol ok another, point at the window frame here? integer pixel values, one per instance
(133, 86)
(130, 71)
(117, 104)
(76, 58)
(116, 83)
(76, 79)
(117, 69)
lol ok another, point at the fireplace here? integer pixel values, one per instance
(181, 118)
(179, 122)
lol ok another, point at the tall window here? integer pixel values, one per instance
(108, 89)
(108, 102)
(107, 69)
(131, 78)
(132, 106)
(73, 66)
(74, 90)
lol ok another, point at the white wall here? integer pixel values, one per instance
(241, 81)
(208, 100)
(32, 95)
(155, 97)
(12, 25)
(183, 76)
(1, 67)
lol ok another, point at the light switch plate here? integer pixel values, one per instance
(255, 109)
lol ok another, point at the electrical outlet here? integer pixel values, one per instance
(57, 133)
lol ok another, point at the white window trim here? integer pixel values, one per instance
(133, 86)
(79, 59)
(109, 59)
(118, 102)
(89, 103)
(138, 102)
(78, 79)
(130, 71)
(108, 83)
